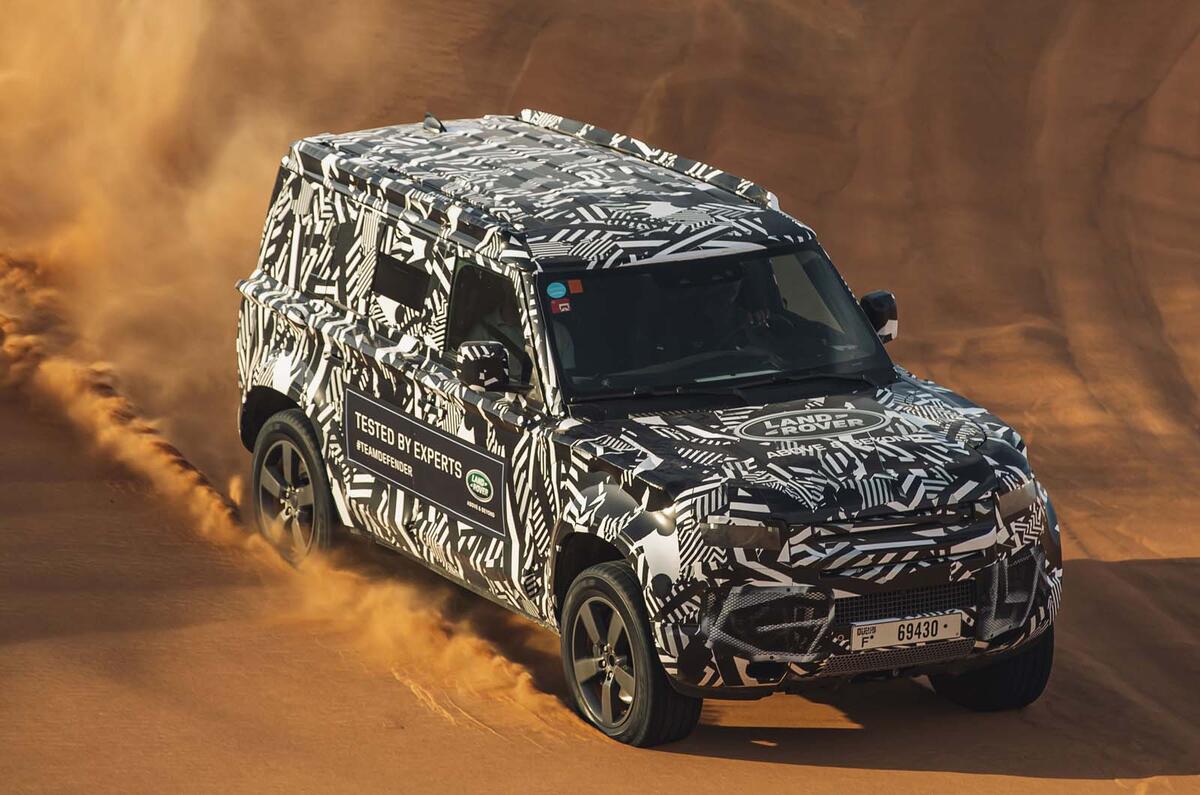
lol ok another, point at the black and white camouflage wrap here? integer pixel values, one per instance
(902, 497)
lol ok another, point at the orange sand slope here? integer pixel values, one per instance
(1025, 176)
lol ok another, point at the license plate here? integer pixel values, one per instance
(878, 634)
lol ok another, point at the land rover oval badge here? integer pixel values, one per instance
(479, 485)
(809, 424)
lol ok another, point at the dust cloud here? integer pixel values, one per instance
(137, 167)
(414, 628)
(137, 185)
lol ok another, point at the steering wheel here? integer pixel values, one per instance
(747, 331)
(735, 334)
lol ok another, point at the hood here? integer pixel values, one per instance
(907, 446)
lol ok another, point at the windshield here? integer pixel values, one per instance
(705, 322)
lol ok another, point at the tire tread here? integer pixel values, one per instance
(296, 424)
(672, 715)
(1010, 683)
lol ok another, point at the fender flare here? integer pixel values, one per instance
(646, 539)
(296, 378)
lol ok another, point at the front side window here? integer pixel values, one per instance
(483, 306)
(710, 322)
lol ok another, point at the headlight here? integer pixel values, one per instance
(743, 536)
(1019, 499)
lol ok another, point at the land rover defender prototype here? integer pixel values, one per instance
(622, 393)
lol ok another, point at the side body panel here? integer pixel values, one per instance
(311, 328)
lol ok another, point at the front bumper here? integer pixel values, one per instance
(750, 637)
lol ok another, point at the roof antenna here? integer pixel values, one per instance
(434, 123)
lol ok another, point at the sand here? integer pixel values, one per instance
(1025, 177)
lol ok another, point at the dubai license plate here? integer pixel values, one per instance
(880, 634)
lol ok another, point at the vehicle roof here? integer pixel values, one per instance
(542, 191)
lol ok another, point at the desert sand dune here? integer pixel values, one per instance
(1025, 176)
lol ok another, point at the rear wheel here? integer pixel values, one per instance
(1011, 683)
(615, 677)
(292, 504)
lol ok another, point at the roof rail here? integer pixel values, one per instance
(467, 224)
(632, 146)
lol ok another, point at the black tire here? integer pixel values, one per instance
(291, 501)
(1011, 683)
(654, 713)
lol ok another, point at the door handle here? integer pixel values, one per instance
(512, 426)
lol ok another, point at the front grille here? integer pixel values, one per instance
(904, 604)
(887, 660)
(762, 623)
(851, 547)
(946, 516)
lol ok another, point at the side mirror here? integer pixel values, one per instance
(483, 365)
(880, 307)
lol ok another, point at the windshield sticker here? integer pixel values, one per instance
(561, 305)
(810, 424)
(575, 286)
(556, 289)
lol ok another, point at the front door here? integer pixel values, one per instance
(486, 531)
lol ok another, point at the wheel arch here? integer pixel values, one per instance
(577, 551)
(620, 528)
(260, 403)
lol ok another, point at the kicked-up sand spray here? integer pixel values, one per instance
(136, 177)
(427, 642)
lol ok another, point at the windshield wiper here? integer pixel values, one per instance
(652, 391)
(730, 388)
(795, 378)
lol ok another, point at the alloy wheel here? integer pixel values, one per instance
(602, 661)
(285, 498)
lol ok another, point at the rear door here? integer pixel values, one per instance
(382, 402)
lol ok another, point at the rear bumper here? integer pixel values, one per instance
(752, 639)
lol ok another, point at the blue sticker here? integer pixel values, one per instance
(556, 289)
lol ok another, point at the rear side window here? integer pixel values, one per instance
(403, 283)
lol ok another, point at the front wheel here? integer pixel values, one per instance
(1010, 683)
(615, 677)
(292, 503)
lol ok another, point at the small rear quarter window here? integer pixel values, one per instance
(403, 283)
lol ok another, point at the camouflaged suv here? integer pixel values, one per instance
(623, 394)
